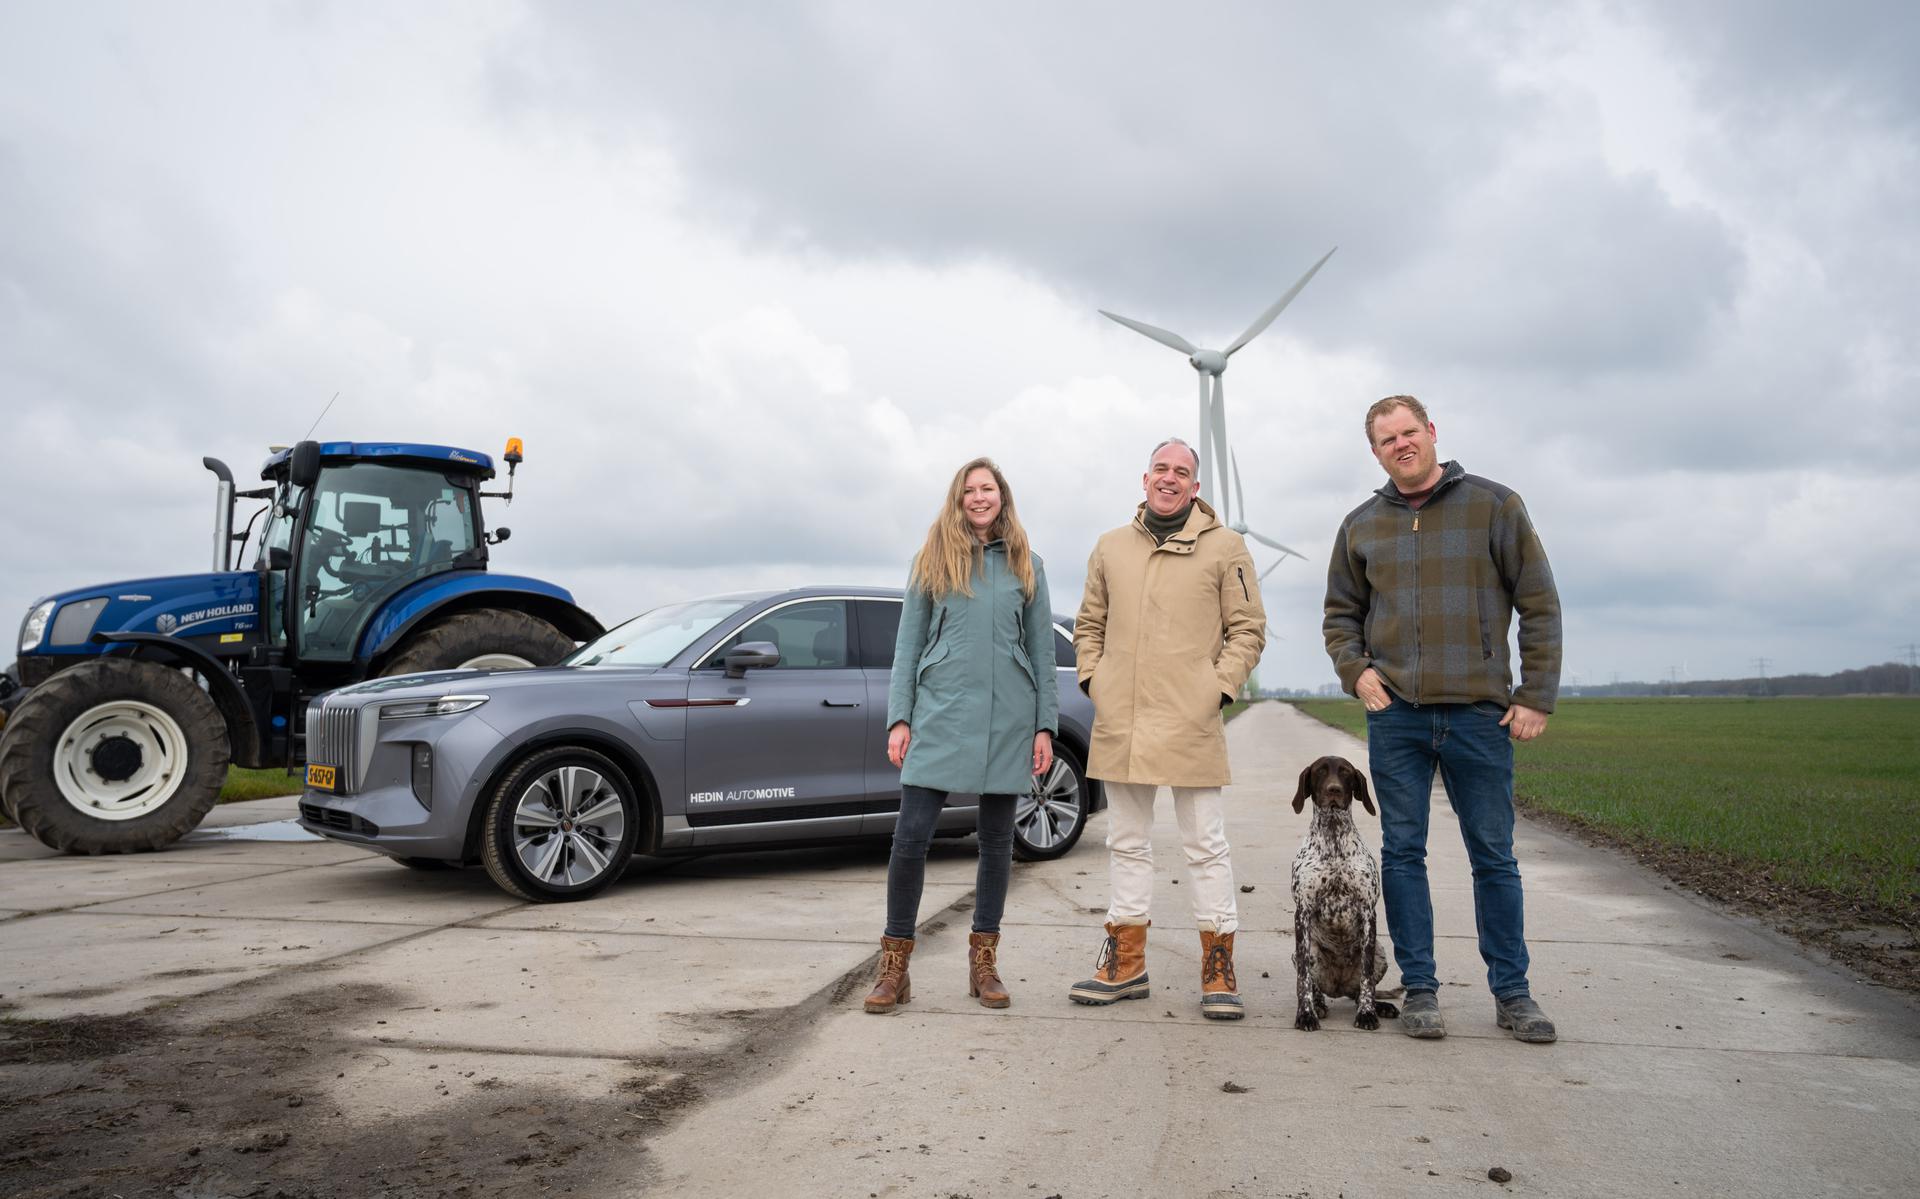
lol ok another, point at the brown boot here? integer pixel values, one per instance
(1120, 972)
(983, 976)
(893, 987)
(1219, 993)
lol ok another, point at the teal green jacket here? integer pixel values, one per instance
(973, 678)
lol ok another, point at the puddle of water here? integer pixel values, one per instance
(273, 830)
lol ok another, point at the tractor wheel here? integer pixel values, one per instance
(113, 756)
(487, 639)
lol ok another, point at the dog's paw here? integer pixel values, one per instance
(1366, 1020)
(1306, 1021)
(1388, 1011)
(1319, 1007)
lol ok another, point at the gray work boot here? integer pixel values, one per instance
(1420, 1016)
(1523, 1018)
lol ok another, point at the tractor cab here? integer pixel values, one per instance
(371, 560)
(351, 525)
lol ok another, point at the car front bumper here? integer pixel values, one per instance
(386, 809)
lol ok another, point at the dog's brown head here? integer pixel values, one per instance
(1333, 782)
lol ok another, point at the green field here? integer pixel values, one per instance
(1821, 793)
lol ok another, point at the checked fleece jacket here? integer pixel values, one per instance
(1426, 598)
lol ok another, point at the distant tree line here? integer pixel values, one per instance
(1888, 678)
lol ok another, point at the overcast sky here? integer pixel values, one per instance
(752, 280)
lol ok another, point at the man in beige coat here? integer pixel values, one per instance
(1170, 628)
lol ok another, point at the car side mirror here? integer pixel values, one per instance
(750, 655)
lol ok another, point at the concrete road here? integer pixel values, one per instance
(716, 1004)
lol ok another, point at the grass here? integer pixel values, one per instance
(258, 784)
(1232, 710)
(1815, 793)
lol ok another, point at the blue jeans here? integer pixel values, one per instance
(1405, 742)
(907, 868)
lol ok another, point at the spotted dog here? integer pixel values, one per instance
(1336, 893)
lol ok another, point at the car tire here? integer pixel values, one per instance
(560, 826)
(1048, 820)
(490, 638)
(114, 756)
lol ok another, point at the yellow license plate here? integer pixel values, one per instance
(321, 777)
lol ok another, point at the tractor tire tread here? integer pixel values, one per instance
(466, 635)
(39, 721)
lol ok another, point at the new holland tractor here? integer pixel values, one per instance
(129, 700)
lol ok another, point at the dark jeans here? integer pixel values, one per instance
(1474, 754)
(907, 868)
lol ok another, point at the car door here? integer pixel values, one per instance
(776, 754)
(879, 622)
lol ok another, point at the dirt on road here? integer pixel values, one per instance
(271, 1104)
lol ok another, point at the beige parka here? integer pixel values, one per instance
(1166, 633)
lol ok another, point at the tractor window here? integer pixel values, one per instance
(374, 529)
(278, 535)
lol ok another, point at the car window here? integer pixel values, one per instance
(1062, 650)
(656, 637)
(811, 635)
(879, 627)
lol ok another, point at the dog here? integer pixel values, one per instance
(1336, 894)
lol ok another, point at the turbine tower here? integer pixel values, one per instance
(1211, 364)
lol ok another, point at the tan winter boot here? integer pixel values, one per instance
(1120, 972)
(893, 987)
(1219, 993)
(983, 974)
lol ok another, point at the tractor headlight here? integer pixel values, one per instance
(35, 626)
(446, 705)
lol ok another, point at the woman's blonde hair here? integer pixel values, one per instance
(946, 561)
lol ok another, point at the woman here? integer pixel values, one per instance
(972, 708)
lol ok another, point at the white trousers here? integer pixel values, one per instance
(1201, 813)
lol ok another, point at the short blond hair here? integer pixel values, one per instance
(1382, 407)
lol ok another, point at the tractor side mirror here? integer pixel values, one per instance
(279, 558)
(750, 655)
(499, 535)
(303, 466)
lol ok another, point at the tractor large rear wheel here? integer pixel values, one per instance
(486, 639)
(113, 756)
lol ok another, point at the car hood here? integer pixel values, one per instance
(492, 682)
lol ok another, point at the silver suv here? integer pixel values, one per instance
(745, 721)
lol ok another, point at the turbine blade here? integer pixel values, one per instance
(1154, 331)
(1220, 445)
(1269, 570)
(1239, 493)
(1203, 447)
(1266, 318)
(1271, 544)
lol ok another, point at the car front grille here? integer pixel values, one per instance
(346, 822)
(332, 740)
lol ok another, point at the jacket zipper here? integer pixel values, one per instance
(939, 628)
(1416, 612)
(1243, 584)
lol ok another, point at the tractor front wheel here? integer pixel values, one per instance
(485, 639)
(113, 756)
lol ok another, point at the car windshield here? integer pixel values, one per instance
(655, 638)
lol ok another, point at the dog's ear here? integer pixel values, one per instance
(1359, 789)
(1306, 787)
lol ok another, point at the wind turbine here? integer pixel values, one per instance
(1240, 526)
(1212, 364)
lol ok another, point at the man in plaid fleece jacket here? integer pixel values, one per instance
(1421, 591)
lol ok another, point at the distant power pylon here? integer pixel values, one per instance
(1913, 663)
(1761, 665)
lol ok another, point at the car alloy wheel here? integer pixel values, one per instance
(560, 826)
(1047, 820)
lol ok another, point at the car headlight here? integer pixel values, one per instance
(35, 626)
(446, 705)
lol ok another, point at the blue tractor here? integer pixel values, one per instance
(129, 700)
